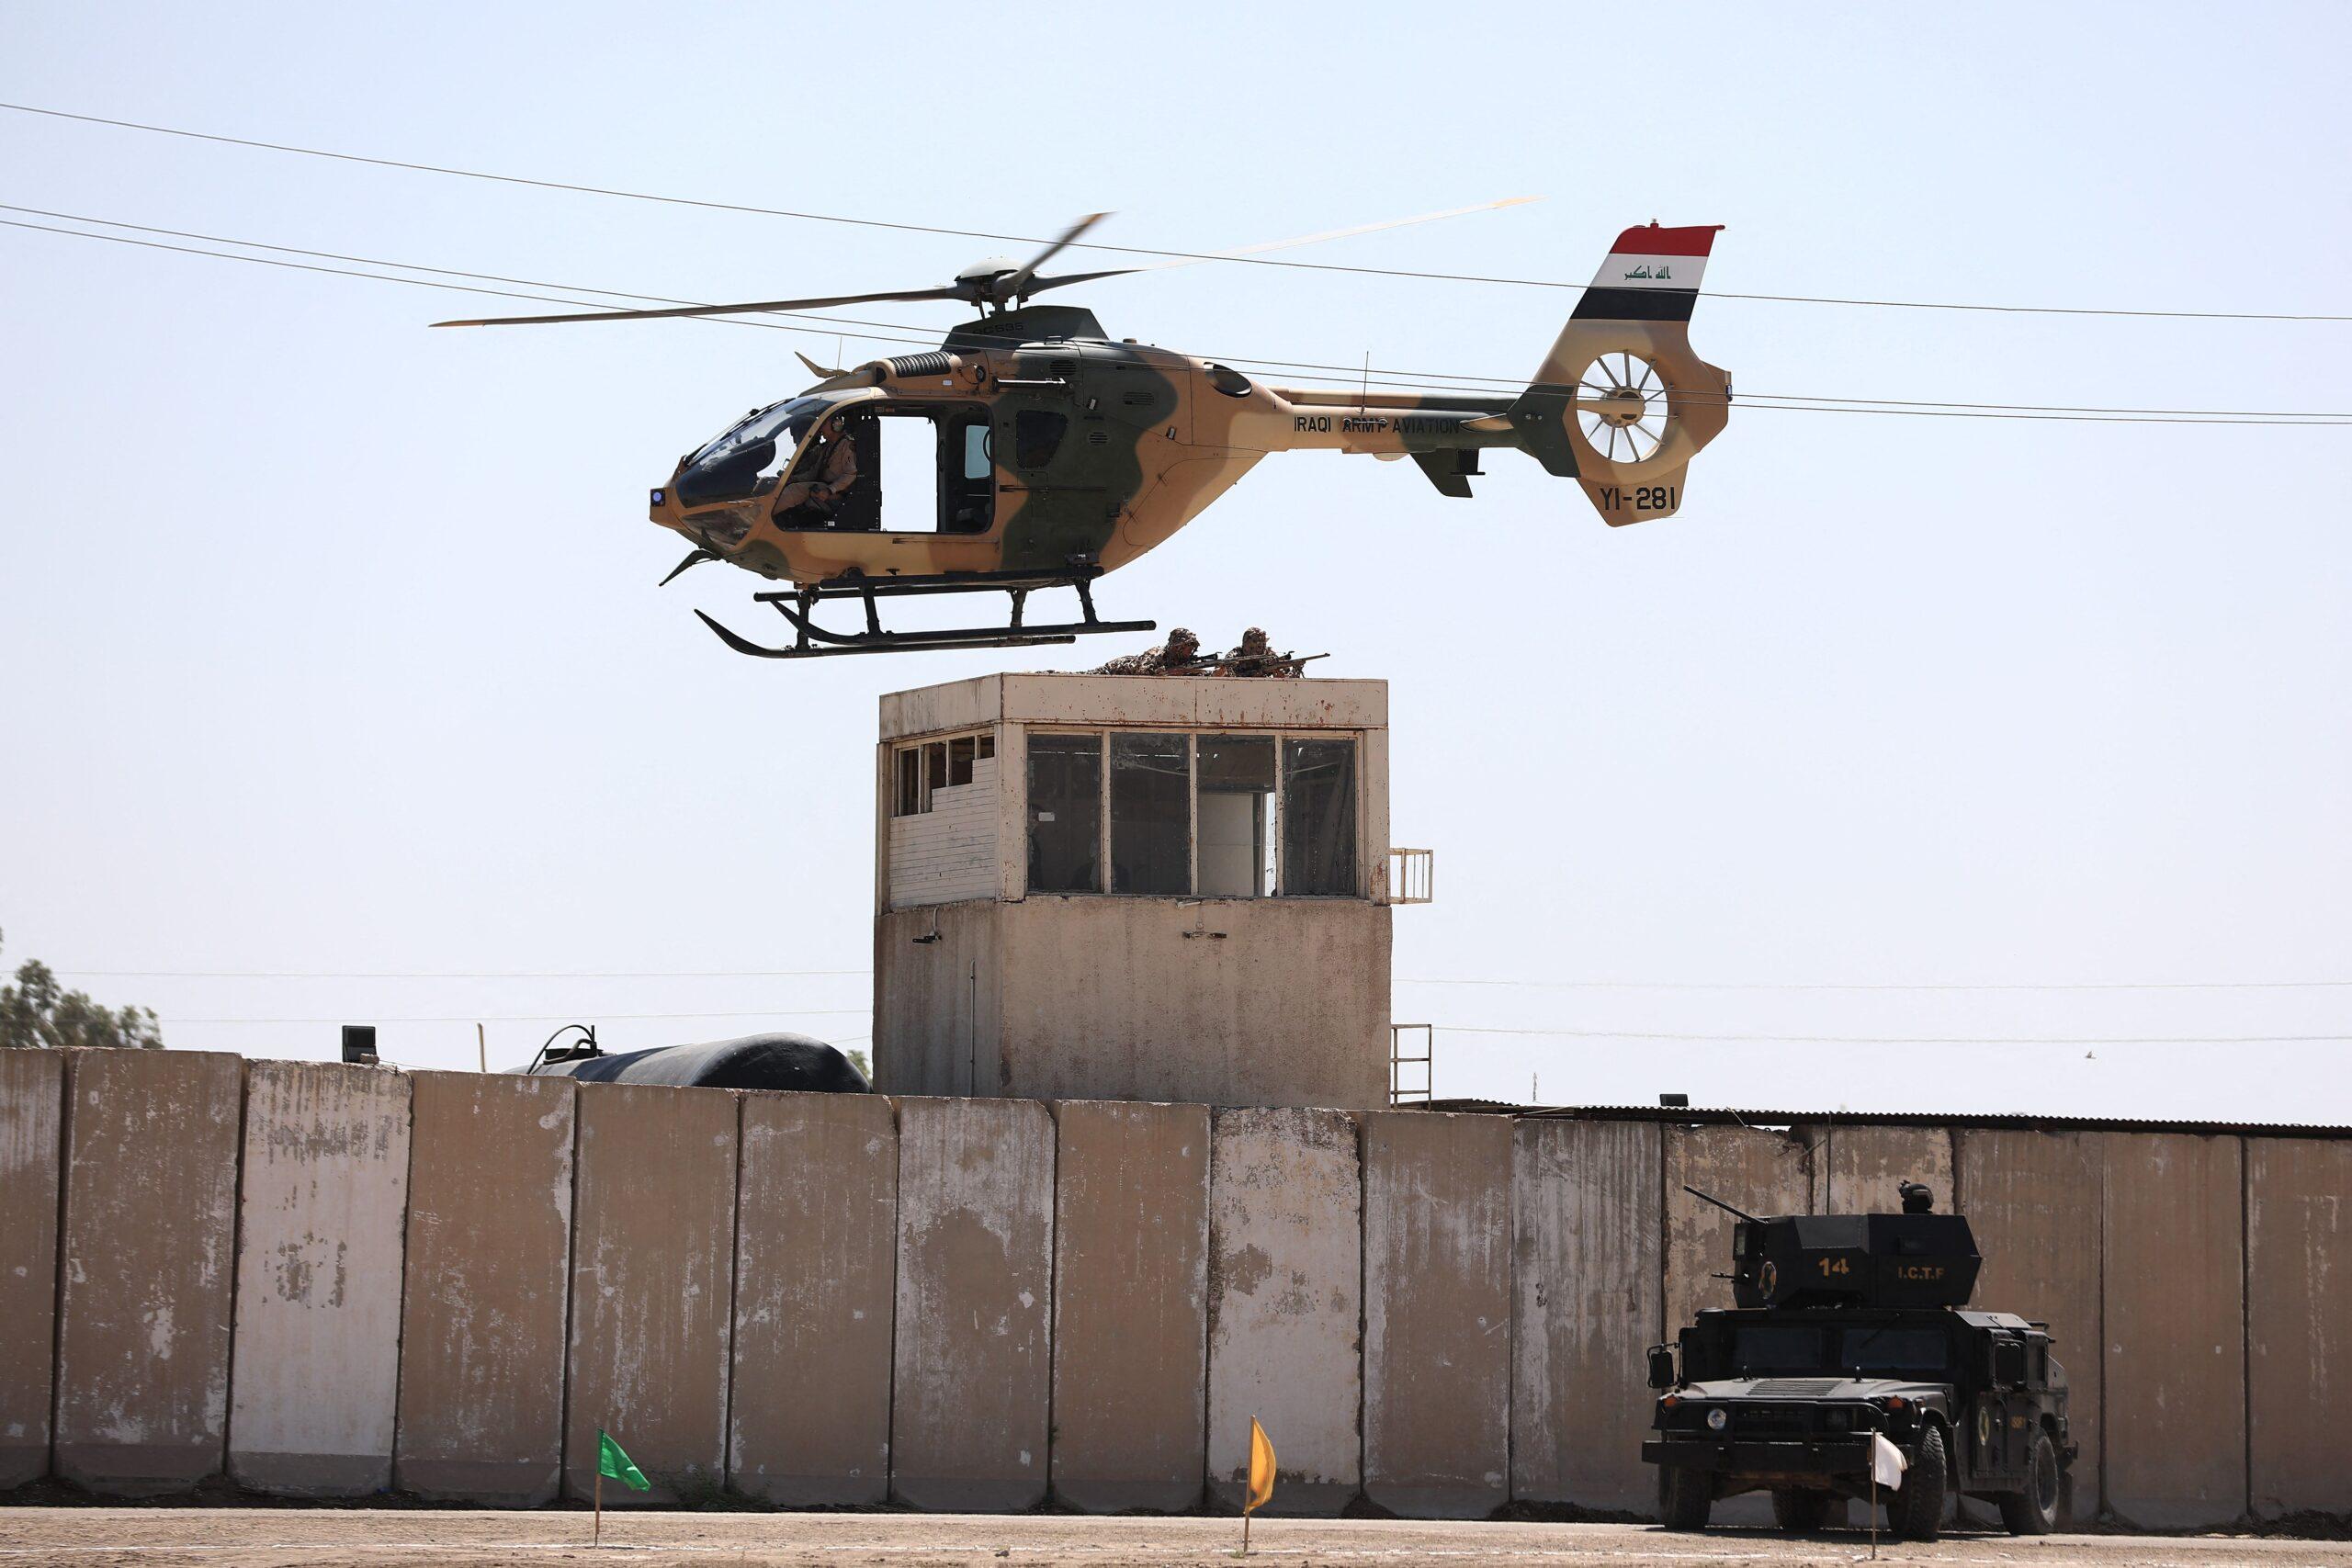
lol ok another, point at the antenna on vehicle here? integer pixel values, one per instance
(1726, 1207)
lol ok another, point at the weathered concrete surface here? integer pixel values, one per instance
(1764, 1173)
(1131, 1236)
(816, 1236)
(2034, 1200)
(486, 1272)
(936, 1012)
(1588, 1271)
(151, 1211)
(32, 1111)
(2176, 1331)
(653, 1282)
(1285, 1294)
(1860, 1170)
(320, 1215)
(2299, 1322)
(970, 1389)
(1437, 1313)
(1157, 999)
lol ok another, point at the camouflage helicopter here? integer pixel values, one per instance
(1060, 453)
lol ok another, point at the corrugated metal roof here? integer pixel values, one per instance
(1719, 1116)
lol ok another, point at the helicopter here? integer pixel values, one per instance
(1061, 453)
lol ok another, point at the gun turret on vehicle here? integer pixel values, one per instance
(1851, 1331)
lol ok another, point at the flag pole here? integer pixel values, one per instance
(600, 1498)
(1245, 1532)
(1873, 1502)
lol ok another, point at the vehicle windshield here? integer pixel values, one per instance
(1889, 1351)
(1772, 1350)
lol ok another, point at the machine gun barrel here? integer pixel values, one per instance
(1726, 1207)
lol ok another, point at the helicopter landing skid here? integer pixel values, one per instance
(812, 641)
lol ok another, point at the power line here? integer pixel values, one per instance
(1784, 402)
(1137, 250)
(1907, 1040)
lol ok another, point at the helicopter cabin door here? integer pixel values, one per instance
(920, 468)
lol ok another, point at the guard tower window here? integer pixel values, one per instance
(1320, 818)
(1151, 828)
(1064, 813)
(926, 766)
(1237, 816)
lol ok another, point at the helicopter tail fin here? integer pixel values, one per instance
(1622, 403)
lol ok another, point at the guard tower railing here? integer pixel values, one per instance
(1412, 877)
(1402, 1039)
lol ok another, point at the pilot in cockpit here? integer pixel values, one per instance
(826, 471)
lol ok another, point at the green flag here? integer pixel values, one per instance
(611, 1462)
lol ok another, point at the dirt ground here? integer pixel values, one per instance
(280, 1538)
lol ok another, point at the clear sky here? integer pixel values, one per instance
(332, 644)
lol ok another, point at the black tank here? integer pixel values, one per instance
(755, 1061)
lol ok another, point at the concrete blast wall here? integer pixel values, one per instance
(970, 1396)
(1131, 1241)
(653, 1279)
(151, 1217)
(317, 1278)
(32, 1121)
(1285, 1294)
(489, 1257)
(1589, 1271)
(1437, 1313)
(815, 1239)
(320, 1216)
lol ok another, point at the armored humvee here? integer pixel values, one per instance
(1846, 1328)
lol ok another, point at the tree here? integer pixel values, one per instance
(36, 1013)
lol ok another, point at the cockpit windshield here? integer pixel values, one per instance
(749, 453)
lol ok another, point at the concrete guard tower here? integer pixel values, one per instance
(1134, 887)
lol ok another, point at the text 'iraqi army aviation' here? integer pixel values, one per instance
(1061, 453)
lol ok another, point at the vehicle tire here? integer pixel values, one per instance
(1684, 1497)
(2034, 1511)
(1917, 1511)
(1799, 1510)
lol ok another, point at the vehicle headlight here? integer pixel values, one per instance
(1718, 1419)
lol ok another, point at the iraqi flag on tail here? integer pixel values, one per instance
(1651, 274)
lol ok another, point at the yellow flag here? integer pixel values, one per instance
(1262, 1467)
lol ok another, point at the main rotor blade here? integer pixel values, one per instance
(1063, 280)
(1018, 284)
(1242, 252)
(751, 308)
